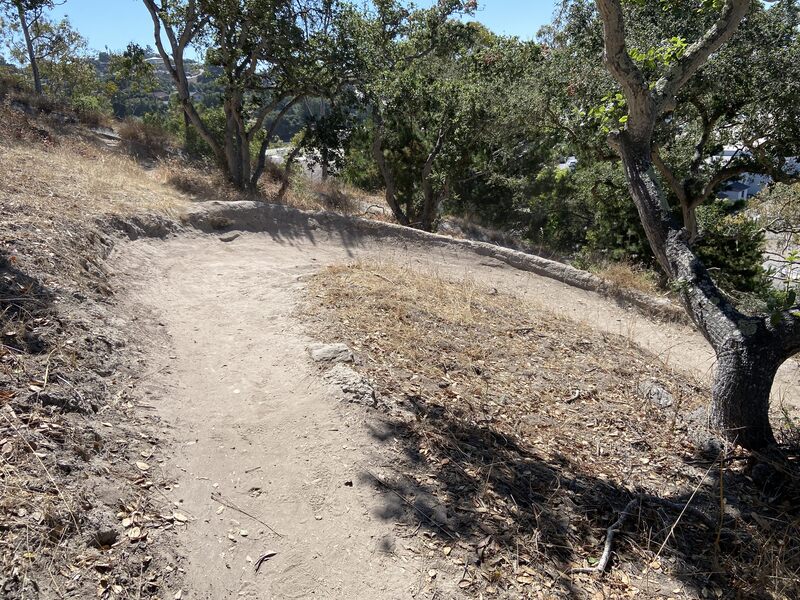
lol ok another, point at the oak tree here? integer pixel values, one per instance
(271, 54)
(749, 348)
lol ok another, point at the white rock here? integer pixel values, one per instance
(335, 353)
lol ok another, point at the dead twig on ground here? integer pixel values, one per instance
(262, 559)
(46, 470)
(217, 497)
(379, 276)
(601, 565)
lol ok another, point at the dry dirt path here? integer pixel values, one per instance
(253, 422)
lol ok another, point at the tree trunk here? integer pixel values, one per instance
(324, 163)
(430, 205)
(388, 179)
(740, 395)
(287, 172)
(748, 352)
(261, 162)
(690, 219)
(749, 349)
(37, 80)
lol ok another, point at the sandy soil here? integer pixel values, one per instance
(256, 430)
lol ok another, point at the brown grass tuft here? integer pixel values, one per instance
(146, 140)
(628, 276)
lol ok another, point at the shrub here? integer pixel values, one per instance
(90, 110)
(145, 139)
(732, 247)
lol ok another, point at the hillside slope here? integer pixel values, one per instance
(163, 428)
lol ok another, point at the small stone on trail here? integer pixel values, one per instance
(104, 536)
(330, 353)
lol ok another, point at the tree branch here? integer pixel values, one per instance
(679, 73)
(176, 67)
(641, 107)
(669, 177)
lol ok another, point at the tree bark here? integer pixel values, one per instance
(388, 178)
(743, 380)
(177, 69)
(262, 152)
(23, 21)
(748, 349)
(690, 220)
(287, 171)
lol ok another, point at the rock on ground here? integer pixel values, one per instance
(334, 353)
(355, 387)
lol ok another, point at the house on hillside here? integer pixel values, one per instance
(735, 191)
(746, 185)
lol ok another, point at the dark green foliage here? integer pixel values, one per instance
(587, 213)
(732, 248)
(359, 168)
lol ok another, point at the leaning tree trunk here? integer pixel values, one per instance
(386, 173)
(23, 21)
(747, 348)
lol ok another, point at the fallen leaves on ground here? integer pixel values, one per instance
(523, 434)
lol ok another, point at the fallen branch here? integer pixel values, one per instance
(612, 531)
(602, 564)
(262, 559)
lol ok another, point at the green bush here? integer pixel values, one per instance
(90, 109)
(359, 168)
(732, 248)
(587, 213)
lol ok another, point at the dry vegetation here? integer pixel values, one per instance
(627, 276)
(72, 175)
(79, 514)
(529, 434)
(525, 436)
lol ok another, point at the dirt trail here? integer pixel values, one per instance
(253, 421)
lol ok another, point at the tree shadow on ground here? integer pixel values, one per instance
(287, 225)
(520, 520)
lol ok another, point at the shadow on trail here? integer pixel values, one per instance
(523, 519)
(287, 225)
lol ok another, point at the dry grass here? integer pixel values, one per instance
(627, 276)
(529, 434)
(58, 345)
(72, 173)
(76, 178)
(468, 227)
(146, 140)
(306, 193)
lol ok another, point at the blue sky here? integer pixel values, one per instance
(114, 23)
